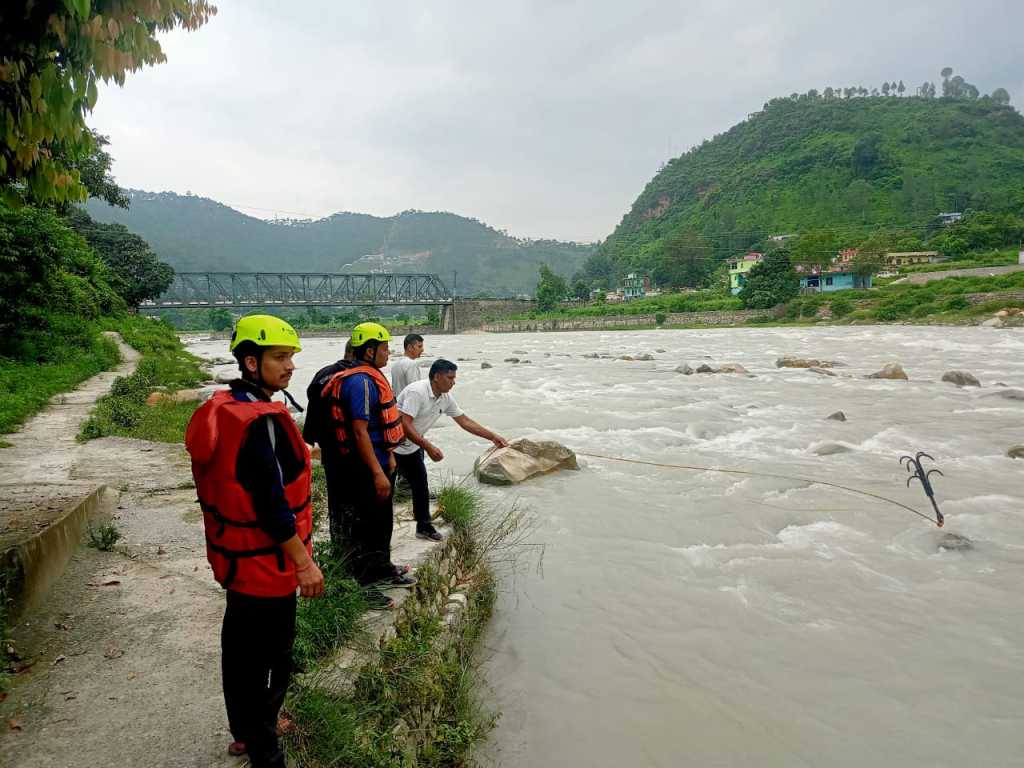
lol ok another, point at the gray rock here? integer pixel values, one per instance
(822, 371)
(660, 350)
(995, 322)
(961, 379)
(837, 416)
(890, 371)
(732, 368)
(626, 357)
(511, 359)
(222, 360)
(518, 351)
(592, 355)
(645, 357)
(522, 460)
(1015, 452)
(485, 365)
(684, 369)
(831, 449)
(524, 362)
(225, 377)
(704, 368)
(955, 541)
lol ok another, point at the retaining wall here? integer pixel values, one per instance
(619, 322)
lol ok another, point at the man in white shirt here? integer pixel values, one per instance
(420, 405)
(405, 370)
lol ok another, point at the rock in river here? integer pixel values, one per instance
(837, 416)
(522, 460)
(1016, 452)
(890, 371)
(961, 379)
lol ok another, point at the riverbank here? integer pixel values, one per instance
(118, 662)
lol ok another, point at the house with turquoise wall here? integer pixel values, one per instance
(817, 281)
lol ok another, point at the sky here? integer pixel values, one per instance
(545, 119)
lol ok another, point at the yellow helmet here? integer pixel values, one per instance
(365, 332)
(265, 331)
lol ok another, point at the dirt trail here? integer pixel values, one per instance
(125, 647)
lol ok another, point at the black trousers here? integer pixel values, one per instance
(364, 520)
(414, 469)
(256, 664)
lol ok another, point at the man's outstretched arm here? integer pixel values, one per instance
(480, 431)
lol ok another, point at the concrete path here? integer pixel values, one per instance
(125, 648)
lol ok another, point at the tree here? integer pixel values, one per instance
(220, 319)
(94, 171)
(52, 55)
(580, 289)
(138, 273)
(1001, 96)
(829, 93)
(551, 289)
(771, 282)
(901, 88)
(682, 260)
(885, 89)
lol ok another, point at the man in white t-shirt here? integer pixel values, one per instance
(405, 370)
(420, 405)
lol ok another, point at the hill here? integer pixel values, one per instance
(835, 170)
(197, 234)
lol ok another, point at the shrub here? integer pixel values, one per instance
(841, 307)
(955, 303)
(104, 537)
(660, 318)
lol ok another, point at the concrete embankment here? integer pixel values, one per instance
(618, 322)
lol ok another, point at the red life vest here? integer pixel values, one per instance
(390, 422)
(243, 557)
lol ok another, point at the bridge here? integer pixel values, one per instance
(203, 290)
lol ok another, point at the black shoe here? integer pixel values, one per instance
(401, 581)
(428, 532)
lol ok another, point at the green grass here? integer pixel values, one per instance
(104, 537)
(164, 363)
(75, 352)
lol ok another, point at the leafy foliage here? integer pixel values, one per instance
(551, 289)
(53, 56)
(138, 273)
(771, 282)
(46, 270)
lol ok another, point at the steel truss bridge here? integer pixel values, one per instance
(197, 290)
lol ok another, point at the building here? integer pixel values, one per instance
(817, 279)
(907, 258)
(635, 286)
(846, 257)
(950, 218)
(613, 297)
(738, 269)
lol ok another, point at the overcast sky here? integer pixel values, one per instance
(542, 118)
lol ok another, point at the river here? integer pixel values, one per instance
(706, 619)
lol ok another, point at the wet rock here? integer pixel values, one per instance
(685, 369)
(1015, 452)
(592, 355)
(485, 365)
(221, 360)
(831, 449)
(732, 368)
(1008, 394)
(961, 379)
(890, 371)
(645, 357)
(518, 351)
(626, 357)
(181, 396)
(995, 322)
(955, 541)
(522, 460)
(837, 416)
(525, 362)
(822, 371)
(511, 359)
(547, 354)
(704, 368)
(661, 351)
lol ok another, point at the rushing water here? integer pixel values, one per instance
(705, 619)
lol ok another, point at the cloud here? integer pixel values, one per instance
(543, 118)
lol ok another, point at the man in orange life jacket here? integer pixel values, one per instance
(252, 474)
(366, 428)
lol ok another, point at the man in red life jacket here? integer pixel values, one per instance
(366, 427)
(252, 473)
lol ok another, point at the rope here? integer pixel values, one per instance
(762, 474)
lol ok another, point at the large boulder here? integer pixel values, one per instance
(485, 365)
(890, 371)
(522, 460)
(837, 416)
(1015, 452)
(1008, 394)
(961, 379)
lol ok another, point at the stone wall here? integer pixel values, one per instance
(1010, 297)
(470, 314)
(619, 322)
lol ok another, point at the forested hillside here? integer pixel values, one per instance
(836, 167)
(197, 234)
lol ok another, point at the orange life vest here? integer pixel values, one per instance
(243, 557)
(391, 432)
